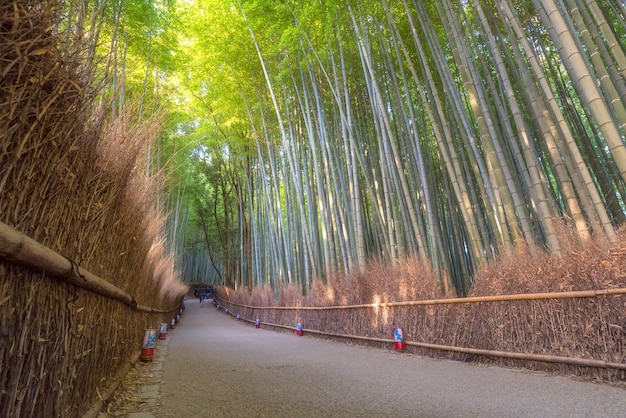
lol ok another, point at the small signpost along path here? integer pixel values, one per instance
(217, 366)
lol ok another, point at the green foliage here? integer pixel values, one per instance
(290, 120)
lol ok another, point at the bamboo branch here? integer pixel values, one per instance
(17, 248)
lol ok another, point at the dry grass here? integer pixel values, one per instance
(262, 296)
(593, 328)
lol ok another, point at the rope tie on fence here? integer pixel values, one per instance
(67, 304)
(73, 272)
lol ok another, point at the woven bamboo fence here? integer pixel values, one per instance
(69, 180)
(467, 330)
(569, 324)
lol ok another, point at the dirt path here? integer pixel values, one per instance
(218, 367)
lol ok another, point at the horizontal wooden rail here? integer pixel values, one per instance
(575, 361)
(17, 248)
(474, 299)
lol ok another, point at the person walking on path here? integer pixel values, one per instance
(200, 294)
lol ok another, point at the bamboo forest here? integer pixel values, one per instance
(449, 173)
(300, 140)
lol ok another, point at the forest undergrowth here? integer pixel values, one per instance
(577, 327)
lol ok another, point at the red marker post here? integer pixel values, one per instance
(299, 328)
(147, 349)
(163, 331)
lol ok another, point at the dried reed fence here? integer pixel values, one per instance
(571, 320)
(69, 179)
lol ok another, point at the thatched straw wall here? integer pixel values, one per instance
(68, 179)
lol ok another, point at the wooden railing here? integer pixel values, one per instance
(17, 248)
(575, 361)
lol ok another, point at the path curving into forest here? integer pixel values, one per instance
(219, 367)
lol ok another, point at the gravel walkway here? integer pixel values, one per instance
(219, 367)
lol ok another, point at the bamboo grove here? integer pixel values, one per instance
(330, 133)
(306, 138)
